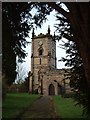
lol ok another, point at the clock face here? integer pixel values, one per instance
(40, 43)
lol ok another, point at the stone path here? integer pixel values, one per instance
(41, 108)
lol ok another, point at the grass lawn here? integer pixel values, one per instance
(15, 103)
(66, 109)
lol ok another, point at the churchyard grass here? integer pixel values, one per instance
(66, 108)
(15, 103)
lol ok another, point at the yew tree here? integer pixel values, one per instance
(17, 21)
(76, 75)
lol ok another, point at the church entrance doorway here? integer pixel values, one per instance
(51, 89)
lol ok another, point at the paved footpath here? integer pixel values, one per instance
(41, 108)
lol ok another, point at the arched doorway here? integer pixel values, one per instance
(51, 89)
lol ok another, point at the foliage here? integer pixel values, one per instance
(69, 29)
(63, 27)
(76, 75)
(16, 25)
(16, 103)
(14, 32)
(17, 21)
(43, 9)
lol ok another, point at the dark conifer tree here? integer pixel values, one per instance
(76, 75)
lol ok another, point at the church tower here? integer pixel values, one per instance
(43, 57)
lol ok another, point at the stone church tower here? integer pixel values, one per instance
(44, 78)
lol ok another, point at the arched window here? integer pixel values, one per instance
(40, 52)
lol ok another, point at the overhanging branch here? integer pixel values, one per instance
(59, 9)
(70, 38)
